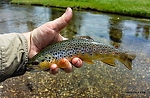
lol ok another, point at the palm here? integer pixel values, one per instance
(48, 33)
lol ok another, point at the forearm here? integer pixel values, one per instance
(13, 55)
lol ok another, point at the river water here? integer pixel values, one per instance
(132, 34)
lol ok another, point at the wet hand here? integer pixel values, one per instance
(75, 61)
(47, 34)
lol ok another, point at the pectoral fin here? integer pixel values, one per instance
(44, 65)
(109, 61)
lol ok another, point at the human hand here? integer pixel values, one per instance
(47, 34)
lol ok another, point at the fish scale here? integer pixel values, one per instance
(82, 47)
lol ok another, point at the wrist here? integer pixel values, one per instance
(28, 38)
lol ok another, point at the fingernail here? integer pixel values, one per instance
(77, 64)
(53, 66)
(65, 38)
(68, 13)
(68, 9)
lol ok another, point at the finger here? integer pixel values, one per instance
(65, 38)
(61, 22)
(53, 66)
(69, 66)
(54, 71)
(77, 62)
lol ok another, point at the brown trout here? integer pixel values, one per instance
(84, 48)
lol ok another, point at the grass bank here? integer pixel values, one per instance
(138, 8)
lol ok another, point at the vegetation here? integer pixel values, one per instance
(139, 8)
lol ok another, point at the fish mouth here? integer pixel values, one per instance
(32, 65)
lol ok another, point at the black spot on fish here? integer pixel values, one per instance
(48, 60)
(109, 51)
(70, 55)
(87, 50)
(56, 58)
(75, 52)
(101, 52)
(94, 48)
(55, 53)
(82, 52)
(43, 60)
(35, 63)
(90, 53)
(60, 55)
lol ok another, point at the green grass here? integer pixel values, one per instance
(139, 8)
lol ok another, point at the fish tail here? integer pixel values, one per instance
(126, 59)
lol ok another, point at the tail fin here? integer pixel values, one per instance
(126, 59)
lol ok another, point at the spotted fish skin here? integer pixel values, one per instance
(86, 49)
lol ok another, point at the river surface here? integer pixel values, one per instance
(131, 34)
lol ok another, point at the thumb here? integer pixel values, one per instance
(58, 24)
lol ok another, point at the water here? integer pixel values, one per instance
(96, 80)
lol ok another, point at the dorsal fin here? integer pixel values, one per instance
(84, 37)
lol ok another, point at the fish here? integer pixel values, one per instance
(83, 47)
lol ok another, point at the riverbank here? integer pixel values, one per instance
(136, 8)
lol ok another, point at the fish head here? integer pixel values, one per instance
(31, 63)
(40, 62)
(42, 58)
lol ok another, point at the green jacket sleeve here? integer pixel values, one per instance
(13, 55)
